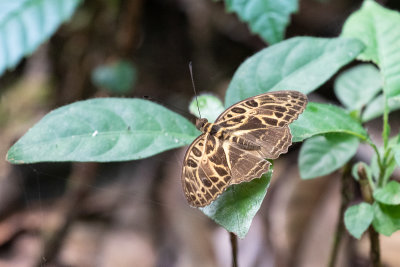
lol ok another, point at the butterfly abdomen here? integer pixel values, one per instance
(244, 143)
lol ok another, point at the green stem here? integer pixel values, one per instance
(380, 163)
(385, 137)
(386, 127)
(390, 160)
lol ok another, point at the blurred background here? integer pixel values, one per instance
(134, 213)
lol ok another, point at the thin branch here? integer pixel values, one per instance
(366, 191)
(82, 175)
(234, 245)
(346, 196)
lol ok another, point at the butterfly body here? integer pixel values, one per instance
(235, 147)
(221, 133)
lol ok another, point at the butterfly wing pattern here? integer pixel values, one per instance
(234, 149)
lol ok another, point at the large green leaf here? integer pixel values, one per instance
(379, 29)
(235, 208)
(25, 24)
(358, 218)
(375, 108)
(267, 18)
(389, 194)
(357, 86)
(301, 64)
(103, 129)
(323, 118)
(386, 218)
(321, 155)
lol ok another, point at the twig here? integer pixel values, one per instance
(82, 175)
(346, 196)
(366, 191)
(234, 245)
(375, 247)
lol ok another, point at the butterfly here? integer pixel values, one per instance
(235, 147)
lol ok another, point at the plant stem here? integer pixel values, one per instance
(385, 137)
(379, 160)
(386, 127)
(375, 247)
(346, 196)
(390, 160)
(234, 245)
(366, 192)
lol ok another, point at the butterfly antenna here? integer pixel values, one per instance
(194, 87)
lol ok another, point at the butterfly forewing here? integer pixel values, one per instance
(275, 109)
(257, 128)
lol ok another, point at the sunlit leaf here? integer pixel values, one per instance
(386, 218)
(375, 108)
(321, 155)
(25, 24)
(358, 218)
(378, 28)
(235, 208)
(103, 129)
(301, 64)
(357, 86)
(321, 119)
(267, 18)
(389, 194)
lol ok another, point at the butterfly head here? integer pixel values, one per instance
(200, 123)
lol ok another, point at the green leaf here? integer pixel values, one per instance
(321, 155)
(357, 86)
(301, 64)
(103, 129)
(235, 208)
(358, 218)
(396, 150)
(386, 218)
(210, 107)
(267, 18)
(389, 194)
(390, 165)
(323, 118)
(25, 24)
(375, 108)
(378, 28)
(117, 77)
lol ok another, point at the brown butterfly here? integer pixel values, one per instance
(235, 147)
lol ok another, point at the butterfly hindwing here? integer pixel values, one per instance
(205, 171)
(273, 141)
(244, 165)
